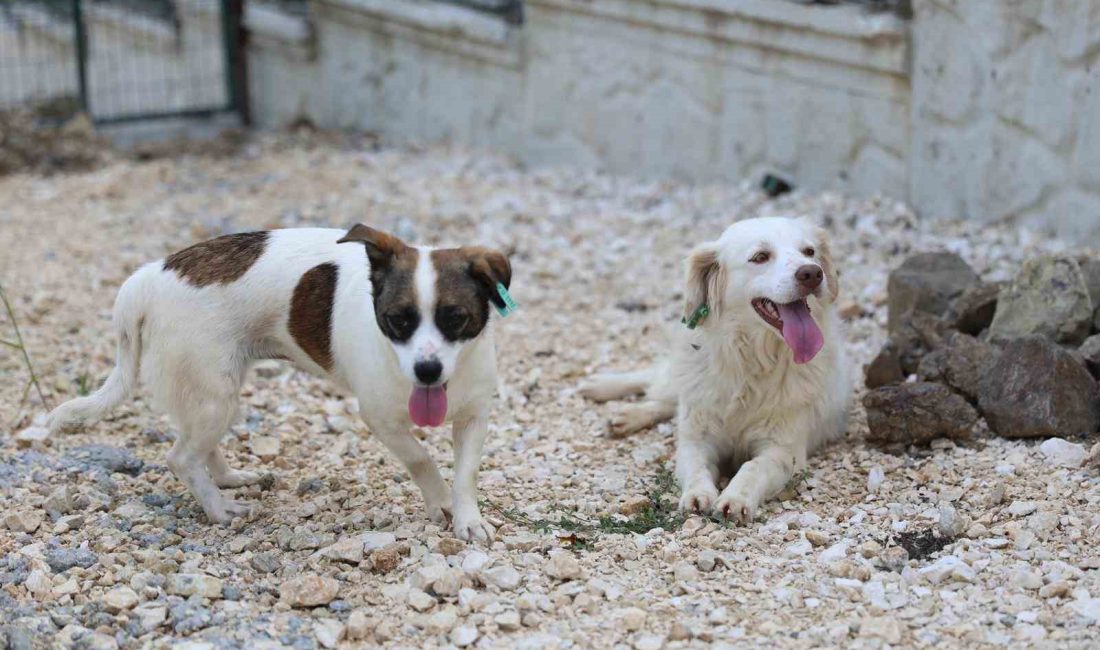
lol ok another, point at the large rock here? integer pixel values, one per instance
(1090, 268)
(960, 363)
(1037, 389)
(926, 282)
(917, 413)
(973, 310)
(1048, 297)
(1089, 352)
(309, 590)
(885, 369)
(916, 336)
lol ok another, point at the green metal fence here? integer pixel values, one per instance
(123, 60)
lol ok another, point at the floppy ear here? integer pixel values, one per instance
(381, 247)
(832, 278)
(488, 267)
(706, 280)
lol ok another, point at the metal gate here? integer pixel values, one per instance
(122, 60)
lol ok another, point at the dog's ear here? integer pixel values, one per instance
(381, 247)
(488, 267)
(705, 280)
(832, 278)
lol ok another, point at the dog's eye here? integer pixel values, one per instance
(397, 322)
(453, 320)
(761, 257)
(809, 251)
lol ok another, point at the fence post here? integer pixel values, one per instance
(236, 70)
(81, 38)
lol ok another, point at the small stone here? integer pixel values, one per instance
(1089, 353)
(328, 632)
(265, 447)
(649, 642)
(1062, 453)
(635, 504)
(420, 601)
(464, 635)
(348, 550)
(120, 599)
(1026, 579)
(450, 582)
(684, 572)
(265, 562)
(192, 584)
(63, 559)
(928, 283)
(817, 538)
(112, 459)
(151, 616)
(1088, 608)
(707, 560)
(309, 591)
(359, 625)
(23, 521)
(1057, 589)
(1022, 508)
(679, 632)
(948, 569)
(834, 553)
(1037, 389)
(952, 524)
(31, 436)
(450, 546)
(885, 627)
(973, 310)
(894, 558)
(508, 621)
(562, 566)
(631, 618)
(1049, 298)
(503, 577)
(39, 584)
(917, 413)
(385, 560)
(875, 479)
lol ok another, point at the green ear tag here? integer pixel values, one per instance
(509, 304)
(697, 316)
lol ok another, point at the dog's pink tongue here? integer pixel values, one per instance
(800, 331)
(428, 405)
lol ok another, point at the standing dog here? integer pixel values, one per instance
(762, 377)
(405, 329)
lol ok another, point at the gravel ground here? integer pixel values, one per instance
(102, 547)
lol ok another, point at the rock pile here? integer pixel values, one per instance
(1018, 354)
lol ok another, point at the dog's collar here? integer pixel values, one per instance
(697, 316)
(509, 304)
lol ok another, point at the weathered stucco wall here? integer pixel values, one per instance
(974, 108)
(1006, 112)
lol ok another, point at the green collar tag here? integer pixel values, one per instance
(509, 304)
(700, 313)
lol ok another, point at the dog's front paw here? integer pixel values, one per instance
(439, 514)
(698, 498)
(735, 508)
(471, 527)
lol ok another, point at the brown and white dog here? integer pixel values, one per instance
(760, 381)
(405, 329)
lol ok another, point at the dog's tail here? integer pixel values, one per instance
(604, 387)
(128, 319)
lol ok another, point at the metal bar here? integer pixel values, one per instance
(236, 71)
(162, 115)
(81, 37)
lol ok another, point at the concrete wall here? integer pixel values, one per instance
(1006, 112)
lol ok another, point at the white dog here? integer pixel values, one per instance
(405, 329)
(759, 376)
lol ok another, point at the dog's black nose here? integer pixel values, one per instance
(428, 371)
(809, 276)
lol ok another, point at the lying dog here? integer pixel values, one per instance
(758, 377)
(405, 329)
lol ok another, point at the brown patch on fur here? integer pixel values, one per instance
(466, 281)
(218, 261)
(705, 281)
(832, 279)
(393, 280)
(310, 321)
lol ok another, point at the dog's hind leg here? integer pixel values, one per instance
(632, 418)
(203, 403)
(226, 477)
(605, 387)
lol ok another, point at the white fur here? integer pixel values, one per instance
(194, 346)
(738, 396)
